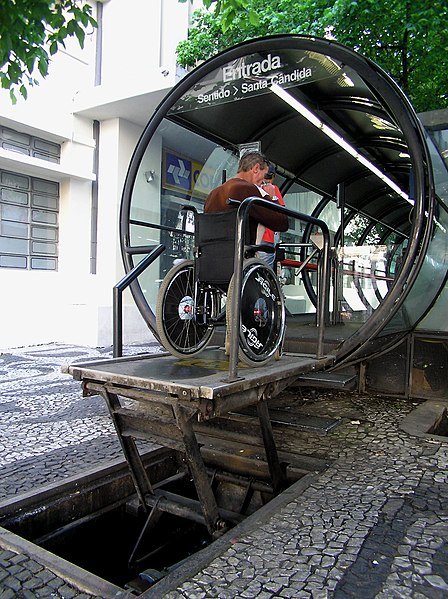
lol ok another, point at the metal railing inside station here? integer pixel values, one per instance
(323, 269)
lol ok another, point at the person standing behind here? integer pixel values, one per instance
(271, 237)
(251, 173)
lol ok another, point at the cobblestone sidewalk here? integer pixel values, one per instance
(373, 525)
(48, 433)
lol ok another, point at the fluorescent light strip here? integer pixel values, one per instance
(316, 121)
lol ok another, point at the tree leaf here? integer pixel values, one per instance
(70, 27)
(5, 82)
(42, 65)
(80, 34)
(253, 18)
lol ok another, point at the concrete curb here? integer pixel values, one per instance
(424, 418)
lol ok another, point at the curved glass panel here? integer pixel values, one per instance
(437, 257)
(433, 271)
(178, 179)
(297, 299)
(364, 267)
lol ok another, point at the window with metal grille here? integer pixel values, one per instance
(29, 215)
(22, 143)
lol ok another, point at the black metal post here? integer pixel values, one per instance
(118, 292)
(197, 469)
(277, 478)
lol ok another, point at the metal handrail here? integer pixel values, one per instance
(118, 289)
(242, 215)
(324, 274)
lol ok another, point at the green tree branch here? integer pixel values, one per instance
(31, 31)
(408, 39)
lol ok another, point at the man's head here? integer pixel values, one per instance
(253, 167)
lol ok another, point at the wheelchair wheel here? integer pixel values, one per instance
(184, 330)
(262, 313)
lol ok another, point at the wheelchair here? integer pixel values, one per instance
(195, 297)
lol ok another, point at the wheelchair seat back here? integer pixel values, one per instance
(215, 246)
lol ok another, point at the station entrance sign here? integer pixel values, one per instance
(253, 75)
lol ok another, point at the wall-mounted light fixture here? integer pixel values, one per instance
(149, 176)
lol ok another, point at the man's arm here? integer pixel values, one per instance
(270, 218)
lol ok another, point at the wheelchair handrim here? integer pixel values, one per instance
(262, 315)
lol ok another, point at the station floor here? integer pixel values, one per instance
(373, 524)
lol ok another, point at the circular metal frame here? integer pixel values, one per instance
(400, 111)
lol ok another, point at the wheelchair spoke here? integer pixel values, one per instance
(180, 330)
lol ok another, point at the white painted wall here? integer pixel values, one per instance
(72, 305)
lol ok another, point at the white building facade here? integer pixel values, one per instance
(64, 154)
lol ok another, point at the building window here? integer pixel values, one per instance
(29, 215)
(14, 141)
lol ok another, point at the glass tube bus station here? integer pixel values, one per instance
(349, 150)
(361, 279)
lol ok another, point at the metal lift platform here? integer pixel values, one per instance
(163, 399)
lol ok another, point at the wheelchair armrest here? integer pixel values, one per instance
(269, 249)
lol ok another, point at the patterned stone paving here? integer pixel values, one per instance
(373, 525)
(48, 433)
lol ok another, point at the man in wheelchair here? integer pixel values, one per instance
(196, 295)
(248, 182)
